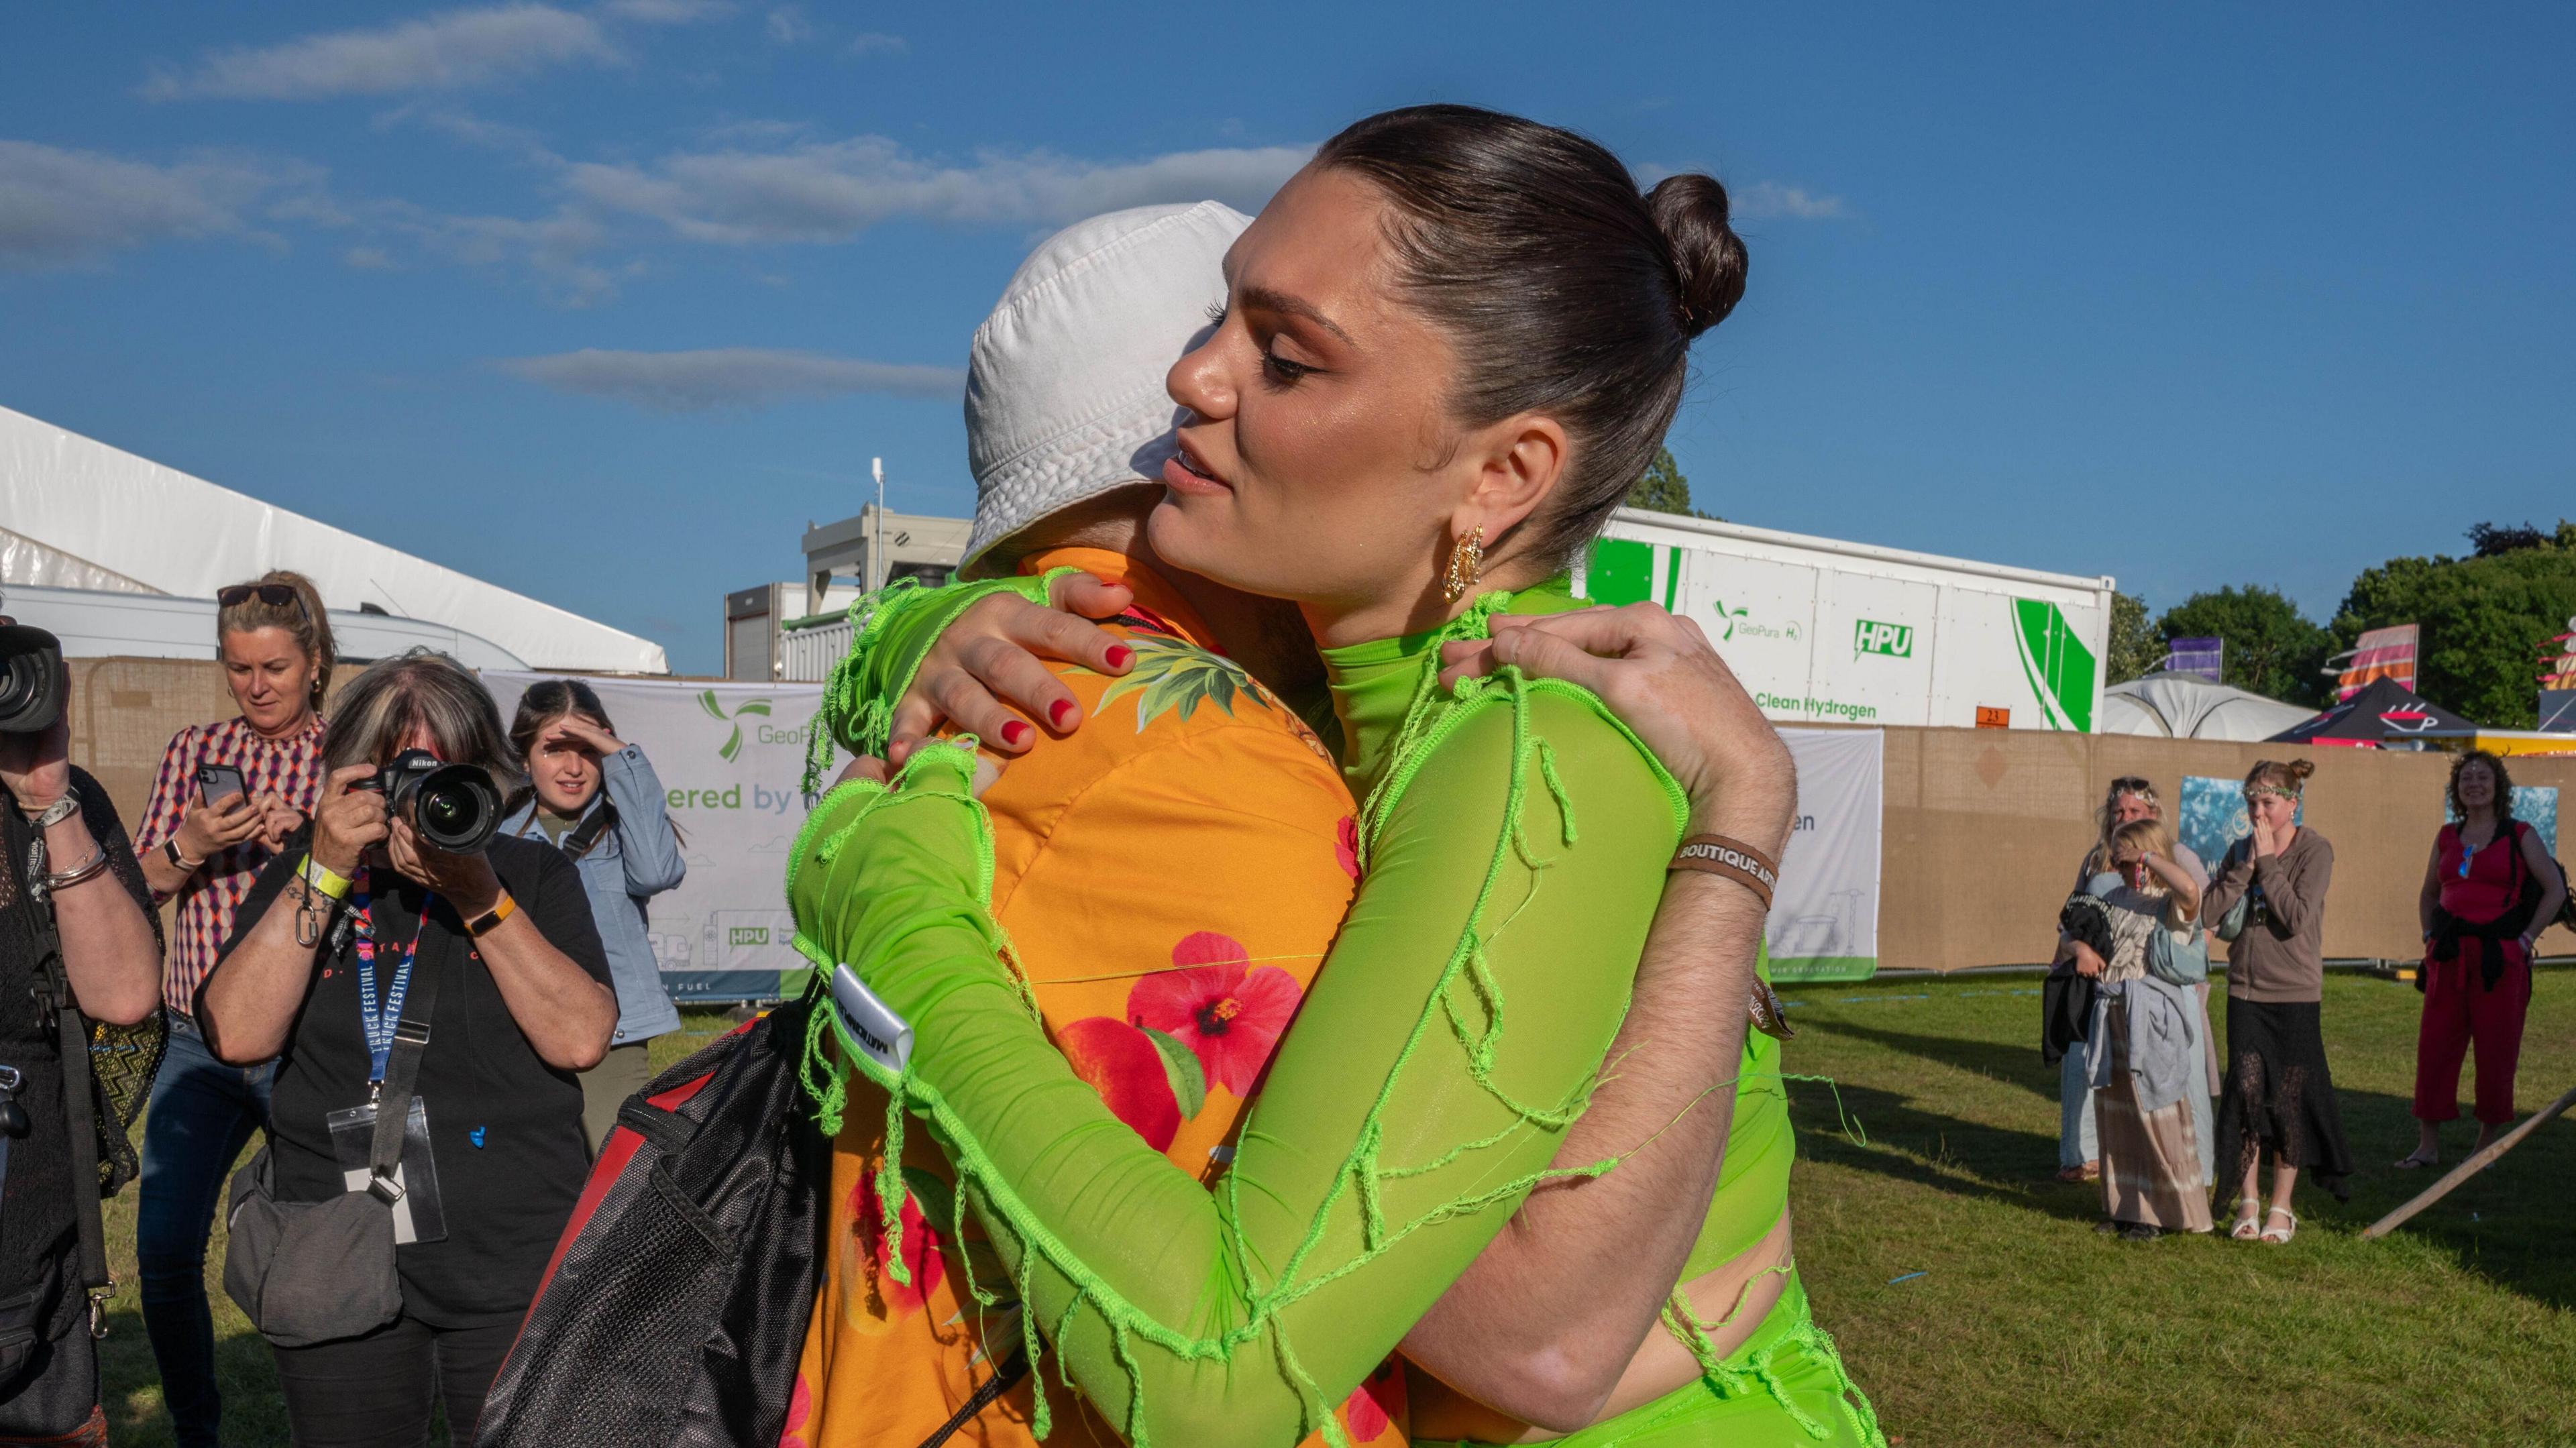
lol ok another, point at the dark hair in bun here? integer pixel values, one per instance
(1565, 290)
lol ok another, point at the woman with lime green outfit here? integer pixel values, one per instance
(1364, 430)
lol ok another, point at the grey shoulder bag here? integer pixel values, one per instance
(315, 1272)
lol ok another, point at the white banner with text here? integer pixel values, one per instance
(731, 758)
(1824, 915)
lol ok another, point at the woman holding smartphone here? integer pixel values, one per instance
(227, 796)
(595, 796)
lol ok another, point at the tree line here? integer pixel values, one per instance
(2484, 617)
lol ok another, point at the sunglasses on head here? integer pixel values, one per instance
(275, 595)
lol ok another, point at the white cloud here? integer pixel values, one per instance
(832, 191)
(440, 52)
(1766, 199)
(666, 12)
(726, 377)
(877, 42)
(787, 25)
(60, 207)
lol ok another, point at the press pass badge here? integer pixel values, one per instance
(867, 1025)
(417, 1214)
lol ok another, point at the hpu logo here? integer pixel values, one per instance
(733, 742)
(747, 935)
(1894, 640)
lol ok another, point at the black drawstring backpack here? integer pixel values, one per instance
(676, 1307)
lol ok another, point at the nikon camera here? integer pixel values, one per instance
(453, 806)
(31, 679)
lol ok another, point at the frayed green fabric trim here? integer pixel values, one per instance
(1429, 720)
(892, 631)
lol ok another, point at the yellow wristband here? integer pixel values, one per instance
(324, 879)
(486, 922)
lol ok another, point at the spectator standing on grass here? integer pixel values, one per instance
(2279, 1096)
(523, 1006)
(2478, 930)
(65, 867)
(2130, 798)
(596, 797)
(274, 642)
(2146, 1039)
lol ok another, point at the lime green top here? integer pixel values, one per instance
(1516, 835)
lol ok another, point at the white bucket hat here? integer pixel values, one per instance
(1064, 387)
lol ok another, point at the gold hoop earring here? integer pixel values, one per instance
(1466, 564)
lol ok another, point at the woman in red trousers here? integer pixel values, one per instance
(2477, 951)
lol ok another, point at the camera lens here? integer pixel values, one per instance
(457, 809)
(31, 679)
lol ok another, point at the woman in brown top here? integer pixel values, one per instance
(2278, 1092)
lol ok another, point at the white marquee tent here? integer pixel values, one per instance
(2186, 706)
(78, 514)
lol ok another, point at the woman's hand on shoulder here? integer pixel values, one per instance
(1665, 681)
(988, 668)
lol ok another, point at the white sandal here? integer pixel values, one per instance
(2276, 1236)
(2248, 1226)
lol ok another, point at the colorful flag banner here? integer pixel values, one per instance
(2381, 653)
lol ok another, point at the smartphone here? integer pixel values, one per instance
(216, 781)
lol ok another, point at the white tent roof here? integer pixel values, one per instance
(2186, 706)
(79, 513)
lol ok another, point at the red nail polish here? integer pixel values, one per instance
(1015, 734)
(1059, 711)
(1120, 656)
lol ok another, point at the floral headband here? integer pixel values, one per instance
(2290, 794)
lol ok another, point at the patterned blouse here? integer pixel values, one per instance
(289, 768)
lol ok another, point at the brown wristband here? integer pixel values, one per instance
(1736, 860)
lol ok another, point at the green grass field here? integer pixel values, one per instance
(2026, 1327)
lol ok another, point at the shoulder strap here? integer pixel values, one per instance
(80, 1111)
(585, 837)
(402, 1071)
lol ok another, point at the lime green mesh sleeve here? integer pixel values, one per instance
(1453, 1032)
(894, 629)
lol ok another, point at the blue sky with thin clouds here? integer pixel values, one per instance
(604, 302)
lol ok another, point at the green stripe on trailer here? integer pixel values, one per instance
(1622, 571)
(2055, 661)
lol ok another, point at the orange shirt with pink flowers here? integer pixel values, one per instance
(1169, 876)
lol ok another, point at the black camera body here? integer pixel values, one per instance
(31, 679)
(453, 806)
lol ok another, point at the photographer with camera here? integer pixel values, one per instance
(227, 797)
(408, 966)
(77, 939)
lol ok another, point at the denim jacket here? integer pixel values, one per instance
(634, 861)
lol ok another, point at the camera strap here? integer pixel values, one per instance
(80, 1110)
(402, 1072)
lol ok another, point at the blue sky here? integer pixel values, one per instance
(2208, 295)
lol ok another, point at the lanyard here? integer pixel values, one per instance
(379, 1021)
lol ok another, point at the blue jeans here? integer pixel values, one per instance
(202, 1114)
(2075, 1144)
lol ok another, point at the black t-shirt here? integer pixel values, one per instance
(504, 1127)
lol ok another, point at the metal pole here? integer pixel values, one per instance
(876, 548)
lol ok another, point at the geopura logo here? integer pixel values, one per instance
(1741, 620)
(1893, 640)
(733, 741)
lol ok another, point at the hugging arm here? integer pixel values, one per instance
(1420, 1092)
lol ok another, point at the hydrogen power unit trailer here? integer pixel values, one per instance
(1827, 632)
